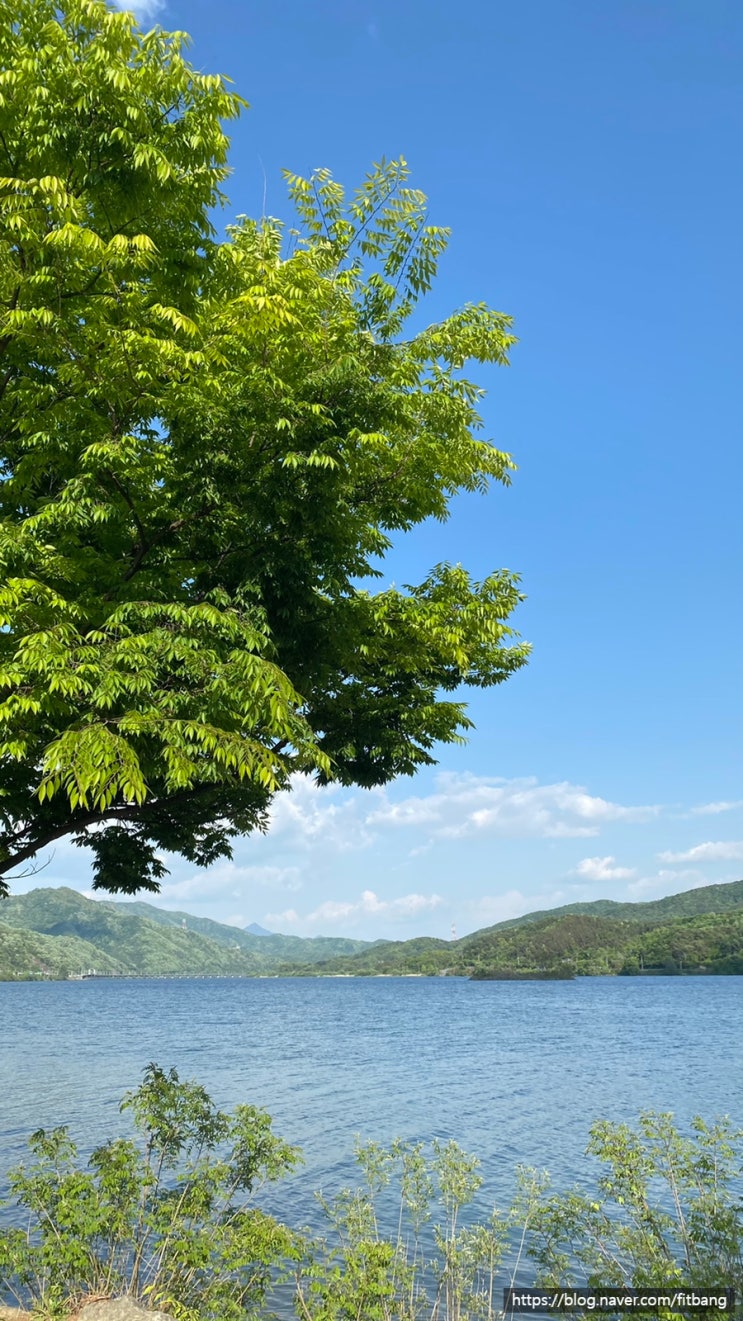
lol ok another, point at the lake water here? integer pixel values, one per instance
(515, 1072)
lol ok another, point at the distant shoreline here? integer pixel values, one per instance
(506, 977)
(58, 934)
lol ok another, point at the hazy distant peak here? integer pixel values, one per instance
(255, 930)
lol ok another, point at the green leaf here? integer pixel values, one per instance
(209, 443)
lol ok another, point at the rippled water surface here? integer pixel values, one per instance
(514, 1071)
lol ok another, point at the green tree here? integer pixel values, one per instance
(207, 447)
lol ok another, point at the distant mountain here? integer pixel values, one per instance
(139, 938)
(699, 930)
(271, 949)
(54, 933)
(255, 930)
(691, 903)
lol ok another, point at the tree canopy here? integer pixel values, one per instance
(208, 444)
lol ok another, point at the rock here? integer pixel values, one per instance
(118, 1309)
(13, 1314)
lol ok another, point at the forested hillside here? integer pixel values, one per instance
(139, 938)
(28, 954)
(697, 931)
(113, 940)
(271, 946)
(705, 899)
(56, 932)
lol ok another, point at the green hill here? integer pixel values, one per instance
(707, 899)
(584, 941)
(697, 931)
(274, 949)
(585, 945)
(422, 955)
(54, 932)
(139, 938)
(120, 941)
(711, 942)
(27, 955)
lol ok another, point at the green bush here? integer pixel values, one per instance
(356, 1273)
(668, 1210)
(169, 1219)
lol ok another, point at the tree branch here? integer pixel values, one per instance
(135, 812)
(68, 828)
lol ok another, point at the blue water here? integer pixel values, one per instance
(515, 1072)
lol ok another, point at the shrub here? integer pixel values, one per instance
(167, 1218)
(356, 1273)
(668, 1210)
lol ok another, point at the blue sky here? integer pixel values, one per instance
(586, 158)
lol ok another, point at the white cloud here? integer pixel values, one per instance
(713, 809)
(664, 882)
(142, 9)
(603, 869)
(289, 917)
(410, 812)
(228, 880)
(719, 851)
(467, 805)
(309, 816)
(490, 909)
(313, 829)
(348, 851)
(368, 905)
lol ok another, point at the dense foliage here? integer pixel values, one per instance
(167, 1216)
(667, 1210)
(171, 1217)
(207, 447)
(27, 955)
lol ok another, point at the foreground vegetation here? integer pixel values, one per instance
(170, 1216)
(57, 932)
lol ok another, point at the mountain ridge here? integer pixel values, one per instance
(718, 898)
(698, 929)
(58, 932)
(144, 940)
(272, 944)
